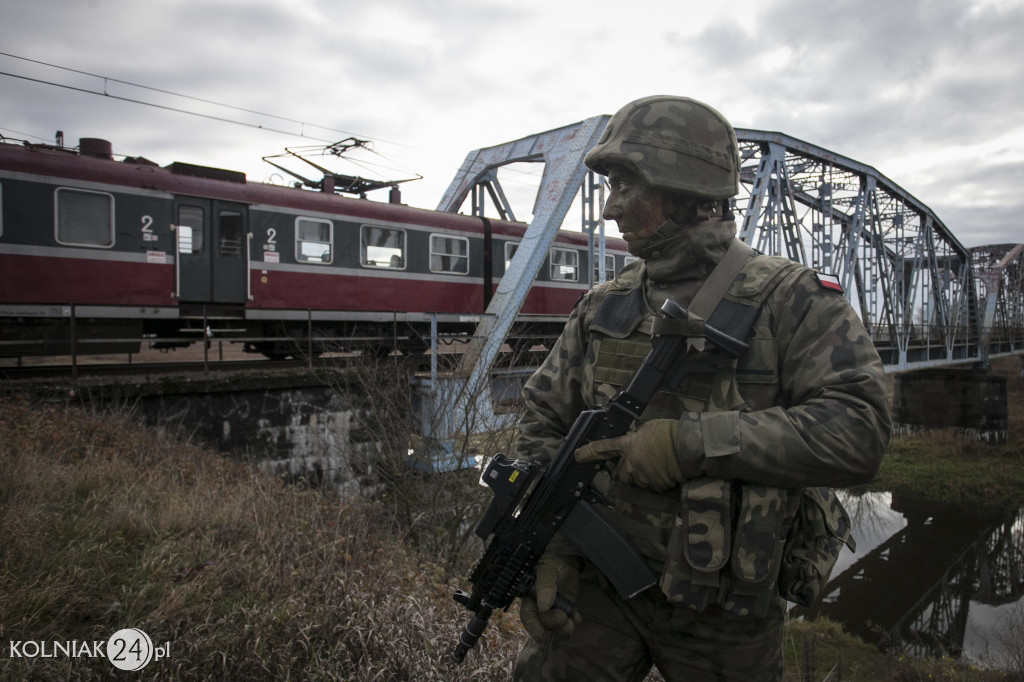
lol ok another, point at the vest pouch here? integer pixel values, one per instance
(617, 360)
(699, 544)
(757, 549)
(821, 529)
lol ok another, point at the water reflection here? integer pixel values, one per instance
(934, 578)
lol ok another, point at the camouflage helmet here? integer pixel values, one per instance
(674, 143)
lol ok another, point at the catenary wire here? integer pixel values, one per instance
(165, 92)
(164, 107)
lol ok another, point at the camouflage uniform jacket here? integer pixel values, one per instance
(806, 406)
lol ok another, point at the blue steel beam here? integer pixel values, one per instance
(562, 151)
(1000, 274)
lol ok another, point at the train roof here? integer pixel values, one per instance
(94, 162)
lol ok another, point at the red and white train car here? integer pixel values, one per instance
(103, 255)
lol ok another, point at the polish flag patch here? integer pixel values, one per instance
(829, 282)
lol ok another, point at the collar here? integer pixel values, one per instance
(679, 253)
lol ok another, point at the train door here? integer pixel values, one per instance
(213, 251)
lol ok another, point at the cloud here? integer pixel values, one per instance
(925, 91)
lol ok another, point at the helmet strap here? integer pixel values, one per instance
(727, 213)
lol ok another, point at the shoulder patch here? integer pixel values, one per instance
(828, 281)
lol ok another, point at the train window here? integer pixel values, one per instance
(85, 218)
(510, 252)
(449, 254)
(609, 268)
(232, 234)
(382, 247)
(313, 240)
(190, 229)
(564, 265)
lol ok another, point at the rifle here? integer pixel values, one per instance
(531, 503)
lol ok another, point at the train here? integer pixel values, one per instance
(102, 253)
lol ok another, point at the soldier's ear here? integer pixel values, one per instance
(678, 207)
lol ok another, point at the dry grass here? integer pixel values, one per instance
(106, 525)
(943, 465)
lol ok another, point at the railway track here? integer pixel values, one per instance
(158, 365)
(140, 369)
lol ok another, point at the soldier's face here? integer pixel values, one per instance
(634, 205)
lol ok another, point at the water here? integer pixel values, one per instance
(933, 578)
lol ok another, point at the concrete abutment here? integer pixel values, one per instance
(971, 401)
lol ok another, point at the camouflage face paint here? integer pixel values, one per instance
(635, 206)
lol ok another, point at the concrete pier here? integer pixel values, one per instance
(969, 400)
(304, 426)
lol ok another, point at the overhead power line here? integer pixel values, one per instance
(162, 106)
(108, 79)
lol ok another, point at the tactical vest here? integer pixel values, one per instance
(717, 542)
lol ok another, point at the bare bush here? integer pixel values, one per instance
(1006, 653)
(430, 483)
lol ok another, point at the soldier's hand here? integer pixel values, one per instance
(556, 575)
(647, 456)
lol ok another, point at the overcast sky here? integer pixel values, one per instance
(929, 92)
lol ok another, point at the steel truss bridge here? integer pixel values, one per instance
(925, 298)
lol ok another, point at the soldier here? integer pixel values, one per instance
(727, 470)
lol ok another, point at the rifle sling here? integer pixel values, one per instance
(721, 278)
